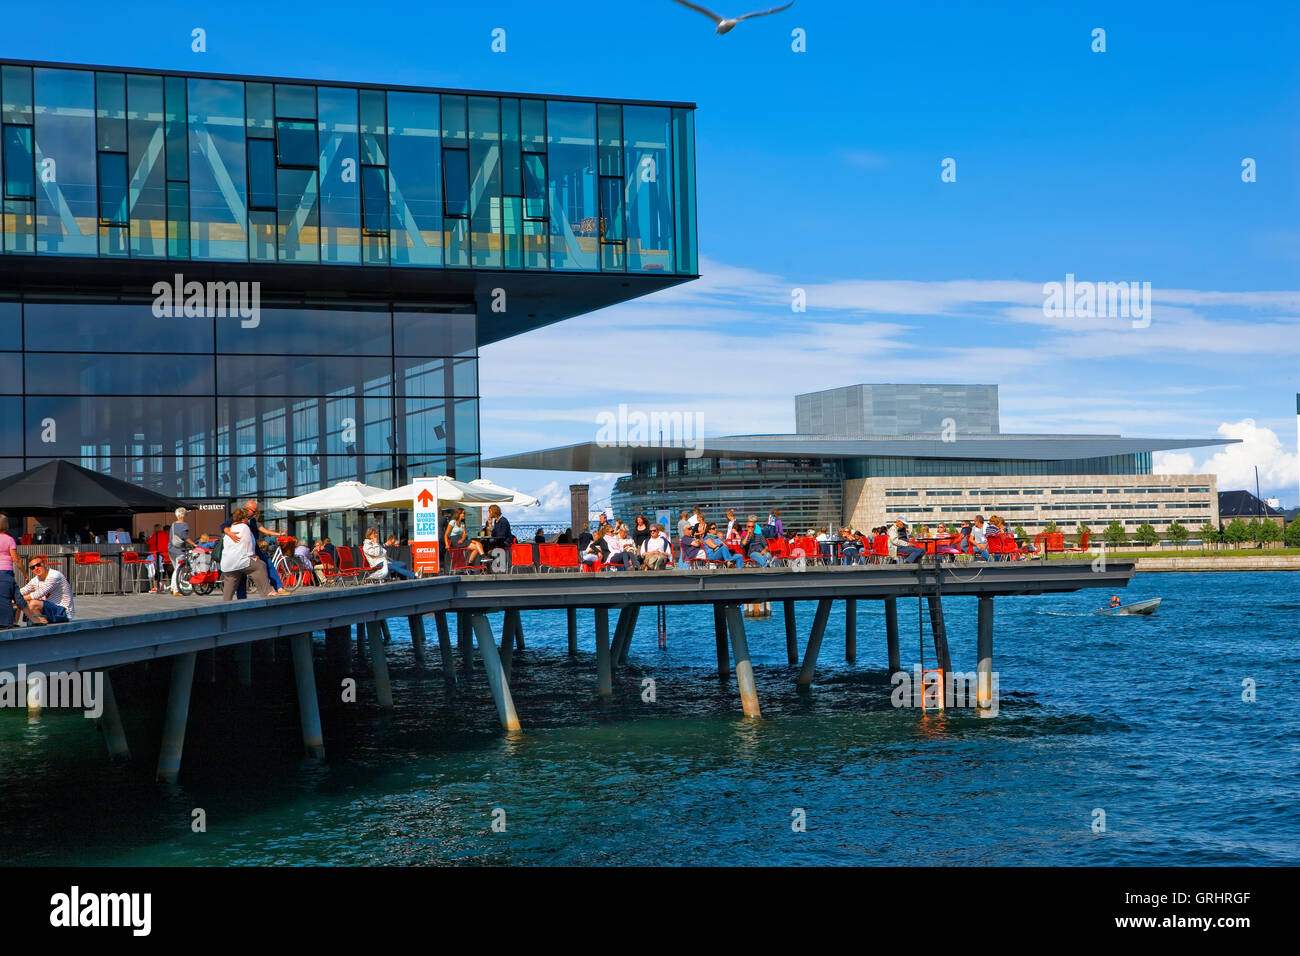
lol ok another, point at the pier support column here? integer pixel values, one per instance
(313, 740)
(984, 656)
(379, 663)
(444, 648)
(720, 639)
(632, 611)
(110, 722)
(791, 635)
(495, 674)
(519, 632)
(891, 634)
(744, 669)
(361, 644)
(415, 622)
(465, 638)
(941, 646)
(809, 668)
(851, 630)
(604, 672)
(508, 621)
(571, 618)
(178, 712)
(383, 629)
(244, 664)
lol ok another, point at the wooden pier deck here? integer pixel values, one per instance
(113, 631)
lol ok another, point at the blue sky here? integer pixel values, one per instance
(821, 170)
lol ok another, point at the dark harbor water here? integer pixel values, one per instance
(1141, 718)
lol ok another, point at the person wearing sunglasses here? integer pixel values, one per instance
(48, 593)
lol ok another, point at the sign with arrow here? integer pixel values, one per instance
(424, 536)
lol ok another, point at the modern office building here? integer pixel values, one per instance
(927, 453)
(228, 286)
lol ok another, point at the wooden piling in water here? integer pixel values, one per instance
(720, 640)
(110, 722)
(571, 618)
(379, 664)
(495, 674)
(791, 636)
(809, 668)
(415, 623)
(744, 669)
(891, 634)
(850, 630)
(941, 646)
(604, 671)
(984, 657)
(444, 649)
(176, 716)
(313, 740)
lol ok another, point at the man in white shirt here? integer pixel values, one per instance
(48, 593)
(654, 550)
(979, 539)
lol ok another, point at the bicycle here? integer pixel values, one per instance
(291, 572)
(197, 574)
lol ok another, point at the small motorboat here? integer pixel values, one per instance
(1141, 607)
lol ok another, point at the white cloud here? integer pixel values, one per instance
(1279, 469)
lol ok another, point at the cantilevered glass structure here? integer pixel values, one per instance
(388, 232)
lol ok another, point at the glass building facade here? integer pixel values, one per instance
(378, 224)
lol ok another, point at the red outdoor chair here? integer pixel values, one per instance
(521, 557)
(559, 557)
(1083, 544)
(459, 558)
(349, 567)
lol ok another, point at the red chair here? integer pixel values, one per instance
(880, 548)
(780, 551)
(460, 562)
(521, 558)
(811, 553)
(348, 567)
(89, 573)
(1083, 544)
(331, 572)
(559, 557)
(133, 560)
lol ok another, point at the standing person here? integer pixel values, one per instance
(48, 593)
(10, 564)
(177, 541)
(584, 536)
(731, 522)
(158, 545)
(640, 531)
(774, 522)
(250, 511)
(603, 523)
(683, 523)
(239, 559)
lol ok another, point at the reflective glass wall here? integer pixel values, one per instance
(227, 170)
(214, 408)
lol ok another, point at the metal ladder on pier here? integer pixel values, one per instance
(932, 679)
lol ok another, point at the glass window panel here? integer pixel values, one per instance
(374, 199)
(425, 430)
(112, 189)
(454, 126)
(609, 117)
(259, 100)
(296, 143)
(536, 245)
(485, 182)
(297, 375)
(20, 168)
(218, 173)
(532, 124)
(110, 111)
(465, 376)
(178, 223)
(73, 373)
(415, 191)
(512, 227)
(309, 332)
(11, 431)
(455, 170)
(512, 183)
(340, 190)
(147, 165)
(432, 333)
(261, 174)
(11, 373)
(299, 217)
(684, 197)
(67, 220)
(649, 196)
(296, 102)
(374, 128)
(262, 235)
(16, 94)
(456, 241)
(571, 164)
(178, 147)
(96, 327)
(422, 377)
(534, 186)
(132, 427)
(11, 326)
(465, 421)
(611, 209)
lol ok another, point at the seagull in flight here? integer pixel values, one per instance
(727, 24)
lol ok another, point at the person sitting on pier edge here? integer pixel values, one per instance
(901, 546)
(640, 531)
(623, 551)
(377, 557)
(690, 547)
(716, 548)
(753, 543)
(655, 552)
(239, 559)
(979, 544)
(597, 549)
(48, 593)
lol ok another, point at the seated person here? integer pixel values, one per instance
(48, 594)
(655, 550)
(753, 543)
(622, 551)
(497, 530)
(457, 536)
(377, 557)
(716, 548)
(900, 545)
(597, 550)
(691, 547)
(851, 548)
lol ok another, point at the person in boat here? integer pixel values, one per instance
(1114, 600)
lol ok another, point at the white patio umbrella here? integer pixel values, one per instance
(345, 496)
(450, 491)
(516, 497)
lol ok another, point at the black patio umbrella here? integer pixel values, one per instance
(57, 487)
